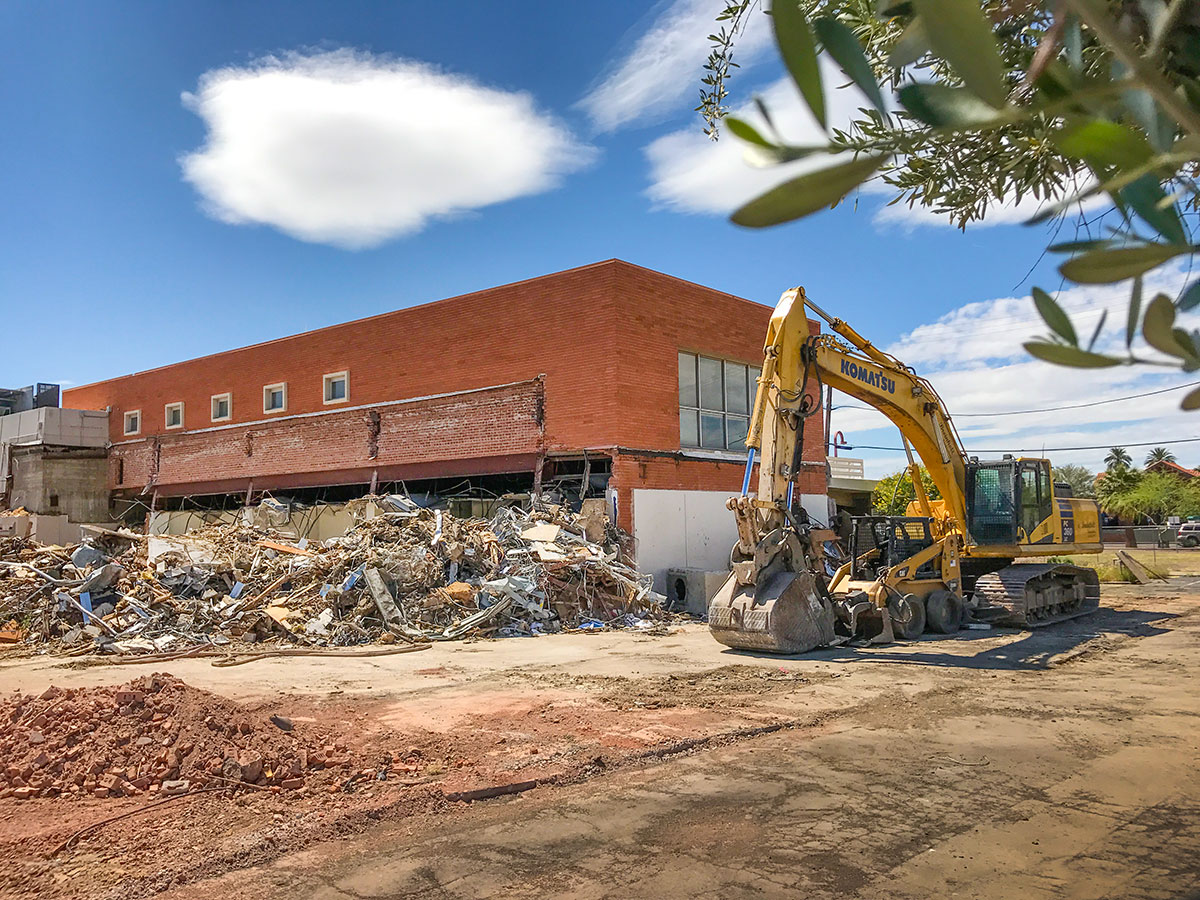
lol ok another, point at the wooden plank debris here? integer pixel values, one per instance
(1136, 569)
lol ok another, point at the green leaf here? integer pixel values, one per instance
(1147, 198)
(961, 34)
(1105, 266)
(747, 132)
(844, 47)
(1104, 143)
(1158, 325)
(1052, 314)
(1190, 297)
(1135, 311)
(911, 46)
(1072, 246)
(806, 194)
(1062, 355)
(1191, 400)
(940, 105)
(799, 52)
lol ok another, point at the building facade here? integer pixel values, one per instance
(637, 378)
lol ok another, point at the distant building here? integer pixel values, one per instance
(1163, 465)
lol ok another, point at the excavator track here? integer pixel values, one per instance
(1029, 595)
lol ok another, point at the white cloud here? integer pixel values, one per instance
(350, 149)
(664, 65)
(973, 356)
(690, 173)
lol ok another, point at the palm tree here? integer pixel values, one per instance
(1160, 454)
(1118, 458)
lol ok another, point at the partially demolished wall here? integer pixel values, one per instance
(492, 429)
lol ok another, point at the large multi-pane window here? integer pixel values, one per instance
(715, 397)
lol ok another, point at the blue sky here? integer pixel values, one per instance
(168, 194)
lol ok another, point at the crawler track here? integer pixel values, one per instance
(1029, 595)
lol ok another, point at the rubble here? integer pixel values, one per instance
(400, 573)
(154, 736)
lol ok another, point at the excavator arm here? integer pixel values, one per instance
(796, 365)
(847, 361)
(772, 599)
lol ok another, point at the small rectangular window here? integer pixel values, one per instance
(133, 421)
(337, 387)
(222, 407)
(712, 431)
(275, 397)
(712, 392)
(736, 428)
(687, 380)
(689, 428)
(735, 388)
(174, 415)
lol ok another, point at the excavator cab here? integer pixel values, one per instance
(1010, 501)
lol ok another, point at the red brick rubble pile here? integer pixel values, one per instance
(155, 736)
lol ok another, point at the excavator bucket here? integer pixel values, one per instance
(785, 614)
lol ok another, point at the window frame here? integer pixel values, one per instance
(167, 415)
(724, 413)
(267, 390)
(212, 407)
(330, 377)
(125, 422)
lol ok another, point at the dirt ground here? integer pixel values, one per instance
(1059, 763)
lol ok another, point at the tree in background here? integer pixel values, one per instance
(1113, 484)
(1081, 479)
(1160, 454)
(894, 492)
(1118, 458)
(1063, 100)
(1155, 495)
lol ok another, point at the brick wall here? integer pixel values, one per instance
(491, 430)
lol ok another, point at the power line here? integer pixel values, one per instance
(1109, 446)
(1020, 412)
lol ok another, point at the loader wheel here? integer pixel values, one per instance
(943, 612)
(908, 617)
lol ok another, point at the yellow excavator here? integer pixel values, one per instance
(945, 562)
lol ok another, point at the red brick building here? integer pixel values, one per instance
(520, 380)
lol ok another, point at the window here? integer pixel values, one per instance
(275, 397)
(222, 407)
(337, 387)
(174, 415)
(133, 421)
(715, 398)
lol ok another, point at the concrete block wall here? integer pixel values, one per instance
(60, 482)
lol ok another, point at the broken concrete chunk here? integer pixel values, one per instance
(546, 532)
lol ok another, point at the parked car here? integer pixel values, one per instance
(1189, 534)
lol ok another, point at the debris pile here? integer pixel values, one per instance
(400, 573)
(159, 736)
